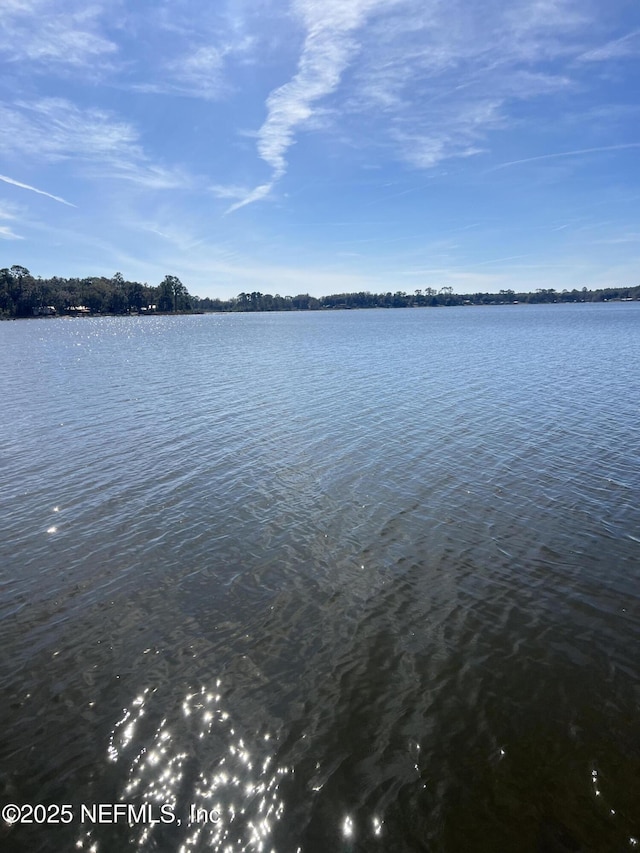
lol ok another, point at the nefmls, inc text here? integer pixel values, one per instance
(127, 813)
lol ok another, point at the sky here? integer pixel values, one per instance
(322, 146)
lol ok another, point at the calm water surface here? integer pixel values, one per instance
(350, 581)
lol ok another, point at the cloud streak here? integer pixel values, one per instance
(575, 153)
(35, 190)
(38, 33)
(447, 76)
(444, 76)
(328, 47)
(617, 49)
(55, 130)
(7, 234)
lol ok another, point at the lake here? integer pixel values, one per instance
(328, 581)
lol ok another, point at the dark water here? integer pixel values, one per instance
(354, 581)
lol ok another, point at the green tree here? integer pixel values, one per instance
(135, 296)
(174, 296)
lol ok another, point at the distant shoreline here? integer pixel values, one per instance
(200, 313)
(24, 296)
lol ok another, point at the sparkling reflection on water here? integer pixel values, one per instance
(354, 582)
(231, 803)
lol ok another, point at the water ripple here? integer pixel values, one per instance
(346, 581)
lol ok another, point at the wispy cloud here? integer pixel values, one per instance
(620, 48)
(458, 133)
(228, 191)
(191, 49)
(34, 190)
(447, 77)
(39, 33)
(7, 234)
(201, 71)
(56, 131)
(328, 47)
(196, 73)
(94, 38)
(444, 76)
(575, 153)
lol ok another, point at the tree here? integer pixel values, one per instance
(21, 296)
(19, 272)
(135, 296)
(174, 296)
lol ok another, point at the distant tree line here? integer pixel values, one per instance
(428, 297)
(25, 295)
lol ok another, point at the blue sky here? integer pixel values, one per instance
(322, 147)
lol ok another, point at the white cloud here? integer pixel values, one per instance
(7, 234)
(189, 48)
(34, 190)
(181, 48)
(201, 71)
(575, 153)
(54, 130)
(456, 133)
(228, 191)
(256, 194)
(328, 48)
(621, 48)
(39, 33)
(443, 75)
